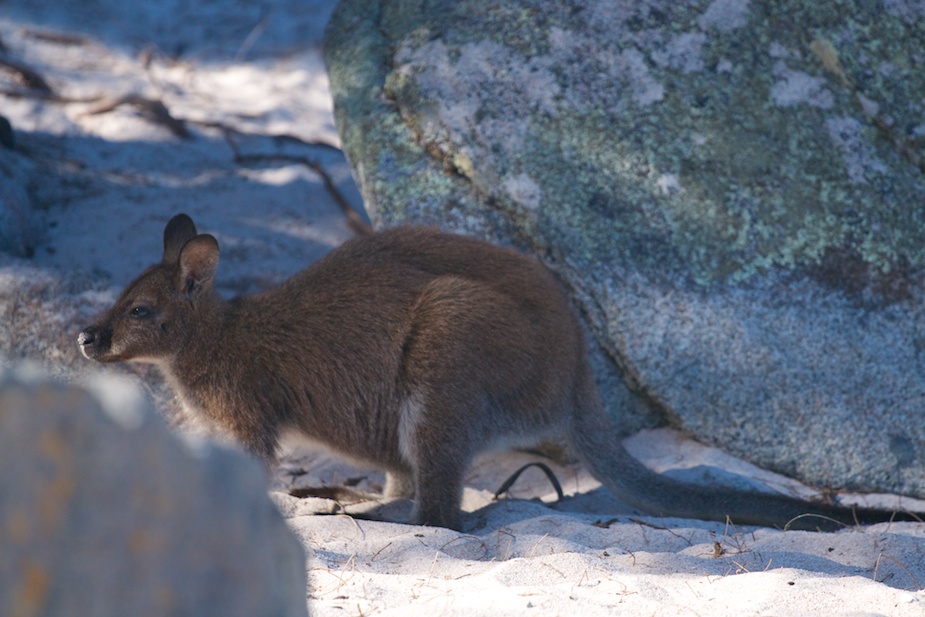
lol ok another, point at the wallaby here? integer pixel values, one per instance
(409, 350)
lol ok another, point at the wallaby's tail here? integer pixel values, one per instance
(596, 444)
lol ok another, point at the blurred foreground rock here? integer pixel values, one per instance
(104, 512)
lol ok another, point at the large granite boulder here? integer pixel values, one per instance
(733, 191)
(105, 512)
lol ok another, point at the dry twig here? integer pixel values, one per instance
(51, 97)
(154, 108)
(356, 223)
(29, 76)
(58, 38)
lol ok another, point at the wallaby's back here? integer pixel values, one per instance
(381, 320)
(411, 350)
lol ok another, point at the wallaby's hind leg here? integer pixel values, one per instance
(454, 360)
(436, 440)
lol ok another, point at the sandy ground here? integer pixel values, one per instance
(244, 147)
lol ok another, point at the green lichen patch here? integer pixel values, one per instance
(677, 146)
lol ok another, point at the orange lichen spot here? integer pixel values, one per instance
(828, 55)
(145, 541)
(33, 593)
(52, 445)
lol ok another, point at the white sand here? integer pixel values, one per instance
(258, 70)
(591, 553)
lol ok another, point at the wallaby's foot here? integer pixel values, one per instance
(438, 515)
(438, 487)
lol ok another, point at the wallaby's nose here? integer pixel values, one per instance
(87, 337)
(86, 340)
(94, 342)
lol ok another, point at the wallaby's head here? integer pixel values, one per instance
(152, 318)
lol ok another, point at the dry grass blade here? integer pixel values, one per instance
(639, 521)
(882, 556)
(545, 468)
(467, 538)
(817, 516)
(605, 524)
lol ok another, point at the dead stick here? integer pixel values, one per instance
(28, 75)
(357, 224)
(155, 109)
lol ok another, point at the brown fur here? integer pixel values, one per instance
(409, 350)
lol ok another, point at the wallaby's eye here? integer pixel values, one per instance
(140, 312)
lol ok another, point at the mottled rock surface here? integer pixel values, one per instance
(18, 234)
(104, 512)
(733, 191)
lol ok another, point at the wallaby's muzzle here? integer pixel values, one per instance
(93, 343)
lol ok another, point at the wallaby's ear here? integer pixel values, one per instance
(197, 263)
(178, 232)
